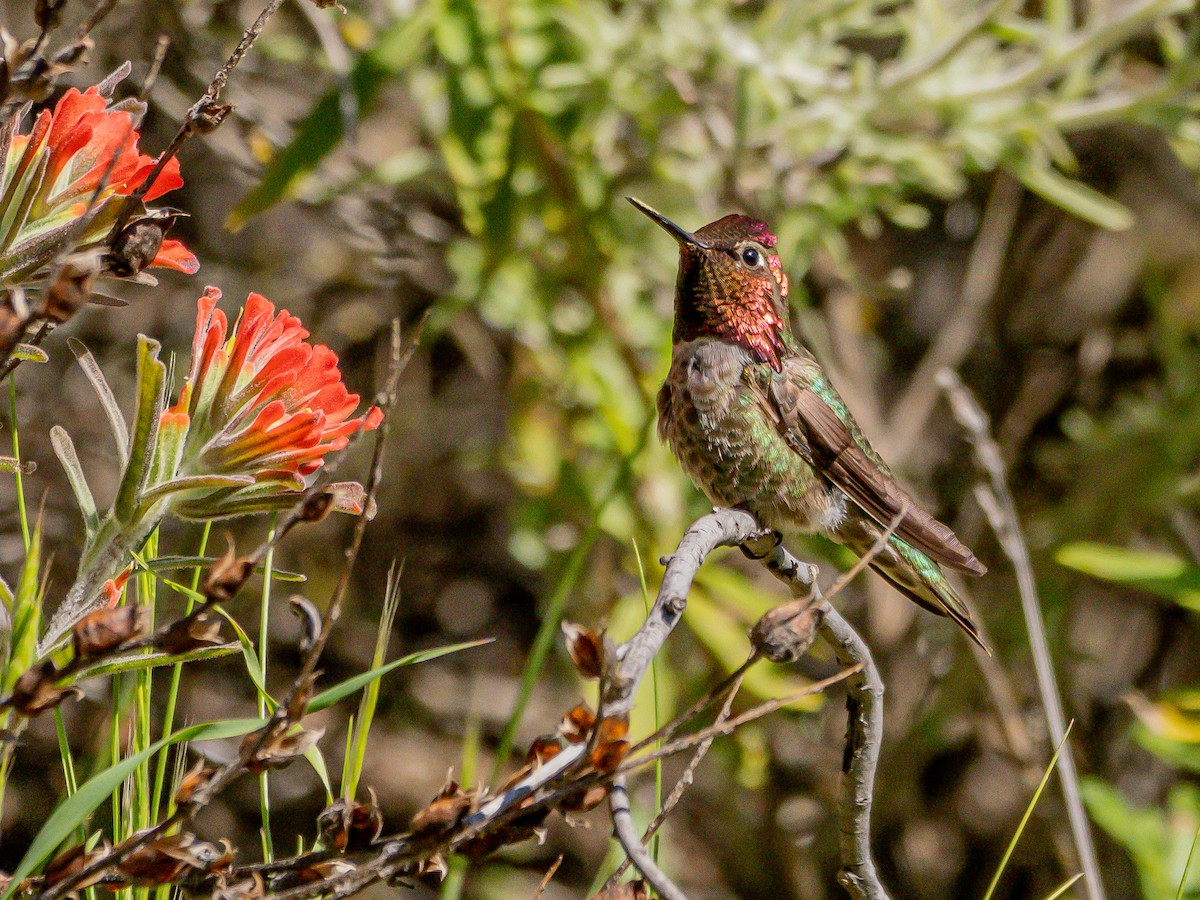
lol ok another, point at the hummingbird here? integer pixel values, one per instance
(755, 422)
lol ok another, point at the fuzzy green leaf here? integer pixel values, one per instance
(108, 402)
(1073, 196)
(153, 660)
(64, 449)
(150, 376)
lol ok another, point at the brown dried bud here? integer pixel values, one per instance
(577, 724)
(104, 630)
(448, 808)
(349, 825)
(611, 746)
(35, 691)
(310, 617)
(71, 286)
(196, 780)
(247, 889)
(174, 857)
(542, 750)
(627, 890)
(47, 14)
(208, 115)
(584, 799)
(73, 861)
(525, 826)
(785, 633)
(317, 506)
(190, 633)
(136, 245)
(282, 749)
(586, 649)
(71, 55)
(227, 575)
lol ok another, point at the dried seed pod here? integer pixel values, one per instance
(586, 649)
(577, 724)
(310, 617)
(282, 749)
(611, 746)
(190, 633)
(104, 630)
(226, 576)
(317, 506)
(247, 889)
(208, 116)
(196, 780)
(542, 750)
(35, 691)
(785, 633)
(71, 286)
(522, 828)
(71, 862)
(584, 799)
(350, 825)
(136, 245)
(448, 808)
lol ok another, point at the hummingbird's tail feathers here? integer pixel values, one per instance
(912, 573)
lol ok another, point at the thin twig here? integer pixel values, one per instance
(686, 778)
(618, 804)
(956, 338)
(202, 116)
(1001, 511)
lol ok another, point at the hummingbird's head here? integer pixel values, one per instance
(731, 284)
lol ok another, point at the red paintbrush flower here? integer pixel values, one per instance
(80, 159)
(263, 403)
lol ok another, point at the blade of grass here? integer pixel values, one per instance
(1012, 844)
(264, 625)
(357, 749)
(1187, 865)
(16, 451)
(456, 877)
(173, 690)
(1064, 887)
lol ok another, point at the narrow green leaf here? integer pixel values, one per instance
(1064, 887)
(1073, 196)
(1012, 844)
(64, 449)
(153, 660)
(167, 563)
(150, 376)
(73, 812)
(193, 483)
(30, 353)
(327, 698)
(1159, 573)
(26, 611)
(108, 402)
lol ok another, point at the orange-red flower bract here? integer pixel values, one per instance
(262, 402)
(86, 148)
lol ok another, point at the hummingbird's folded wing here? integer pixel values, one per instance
(816, 432)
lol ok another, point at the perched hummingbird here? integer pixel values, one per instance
(755, 423)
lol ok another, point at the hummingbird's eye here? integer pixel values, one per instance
(751, 257)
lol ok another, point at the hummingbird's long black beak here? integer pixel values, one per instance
(684, 237)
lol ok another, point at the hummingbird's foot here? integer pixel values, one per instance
(762, 546)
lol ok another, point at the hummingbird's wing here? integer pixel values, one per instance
(813, 429)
